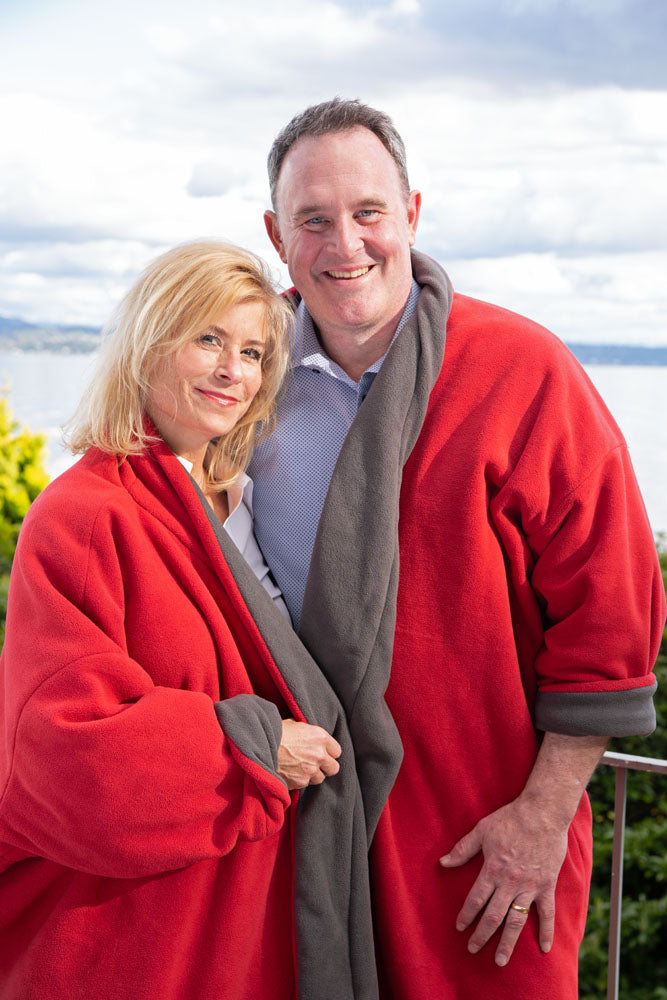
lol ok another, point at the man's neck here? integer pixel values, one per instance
(355, 352)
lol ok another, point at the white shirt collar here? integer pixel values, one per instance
(240, 490)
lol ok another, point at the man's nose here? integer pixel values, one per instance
(346, 237)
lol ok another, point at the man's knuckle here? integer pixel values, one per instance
(515, 874)
(496, 870)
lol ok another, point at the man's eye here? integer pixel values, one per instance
(317, 220)
(366, 213)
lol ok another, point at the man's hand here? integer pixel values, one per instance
(523, 855)
(306, 755)
(524, 845)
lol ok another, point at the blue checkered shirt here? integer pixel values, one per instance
(291, 470)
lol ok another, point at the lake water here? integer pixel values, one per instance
(45, 388)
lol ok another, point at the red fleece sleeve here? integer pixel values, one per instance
(600, 580)
(104, 771)
(578, 541)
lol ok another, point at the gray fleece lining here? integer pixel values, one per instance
(348, 624)
(597, 713)
(332, 912)
(349, 609)
(254, 725)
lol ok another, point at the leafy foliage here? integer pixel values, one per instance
(22, 477)
(643, 965)
(4, 587)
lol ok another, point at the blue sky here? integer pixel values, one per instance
(536, 131)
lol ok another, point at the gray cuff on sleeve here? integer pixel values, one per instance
(597, 713)
(254, 726)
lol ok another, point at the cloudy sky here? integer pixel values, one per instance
(536, 131)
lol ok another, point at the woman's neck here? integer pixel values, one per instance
(216, 498)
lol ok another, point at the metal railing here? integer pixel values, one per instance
(623, 762)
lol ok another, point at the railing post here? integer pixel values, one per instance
(616, 896)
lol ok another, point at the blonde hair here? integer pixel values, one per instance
(180, 294)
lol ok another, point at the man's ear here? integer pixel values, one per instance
(414, 208)
(271, 223)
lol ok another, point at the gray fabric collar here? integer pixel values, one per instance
(348, 624)
(332, 911)
(349, 610)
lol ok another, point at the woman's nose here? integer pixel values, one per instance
(229, 366)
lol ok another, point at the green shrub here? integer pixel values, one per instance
(22, 477)
(4, 587)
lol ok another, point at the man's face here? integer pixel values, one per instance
(344, 226)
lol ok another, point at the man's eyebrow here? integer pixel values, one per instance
(371, 201)
(308, 210)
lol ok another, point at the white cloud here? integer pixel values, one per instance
(405, 7)
(597, 299)
(119, 142)
(582, 173)
(213, 178)
(168, 41)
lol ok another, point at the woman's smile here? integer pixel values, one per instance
(203, 390)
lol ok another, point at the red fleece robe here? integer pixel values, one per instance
(143, 855)
(528, 571)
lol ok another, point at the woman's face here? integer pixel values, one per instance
(201, 391)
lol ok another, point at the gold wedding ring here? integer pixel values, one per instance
(519, 909)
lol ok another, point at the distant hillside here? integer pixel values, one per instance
(16, 334)
(618, 354)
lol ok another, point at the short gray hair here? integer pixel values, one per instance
(337, 115)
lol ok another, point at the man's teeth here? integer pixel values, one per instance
(349, 274)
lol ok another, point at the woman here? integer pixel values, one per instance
(150, 740)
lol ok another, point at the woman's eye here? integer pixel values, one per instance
(210, 339)
(252, 352)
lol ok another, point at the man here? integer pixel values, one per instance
(525, 620)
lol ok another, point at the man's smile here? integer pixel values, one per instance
(346, 275)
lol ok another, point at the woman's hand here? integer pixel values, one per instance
(306, 755)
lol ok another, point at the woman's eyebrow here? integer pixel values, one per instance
(220, 329)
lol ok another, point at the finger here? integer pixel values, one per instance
(330, 745)
(333, 747)
(465, 849)
(492, 918)
(515, 921)
(546, 913)
(475, 901)
(330, 766)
